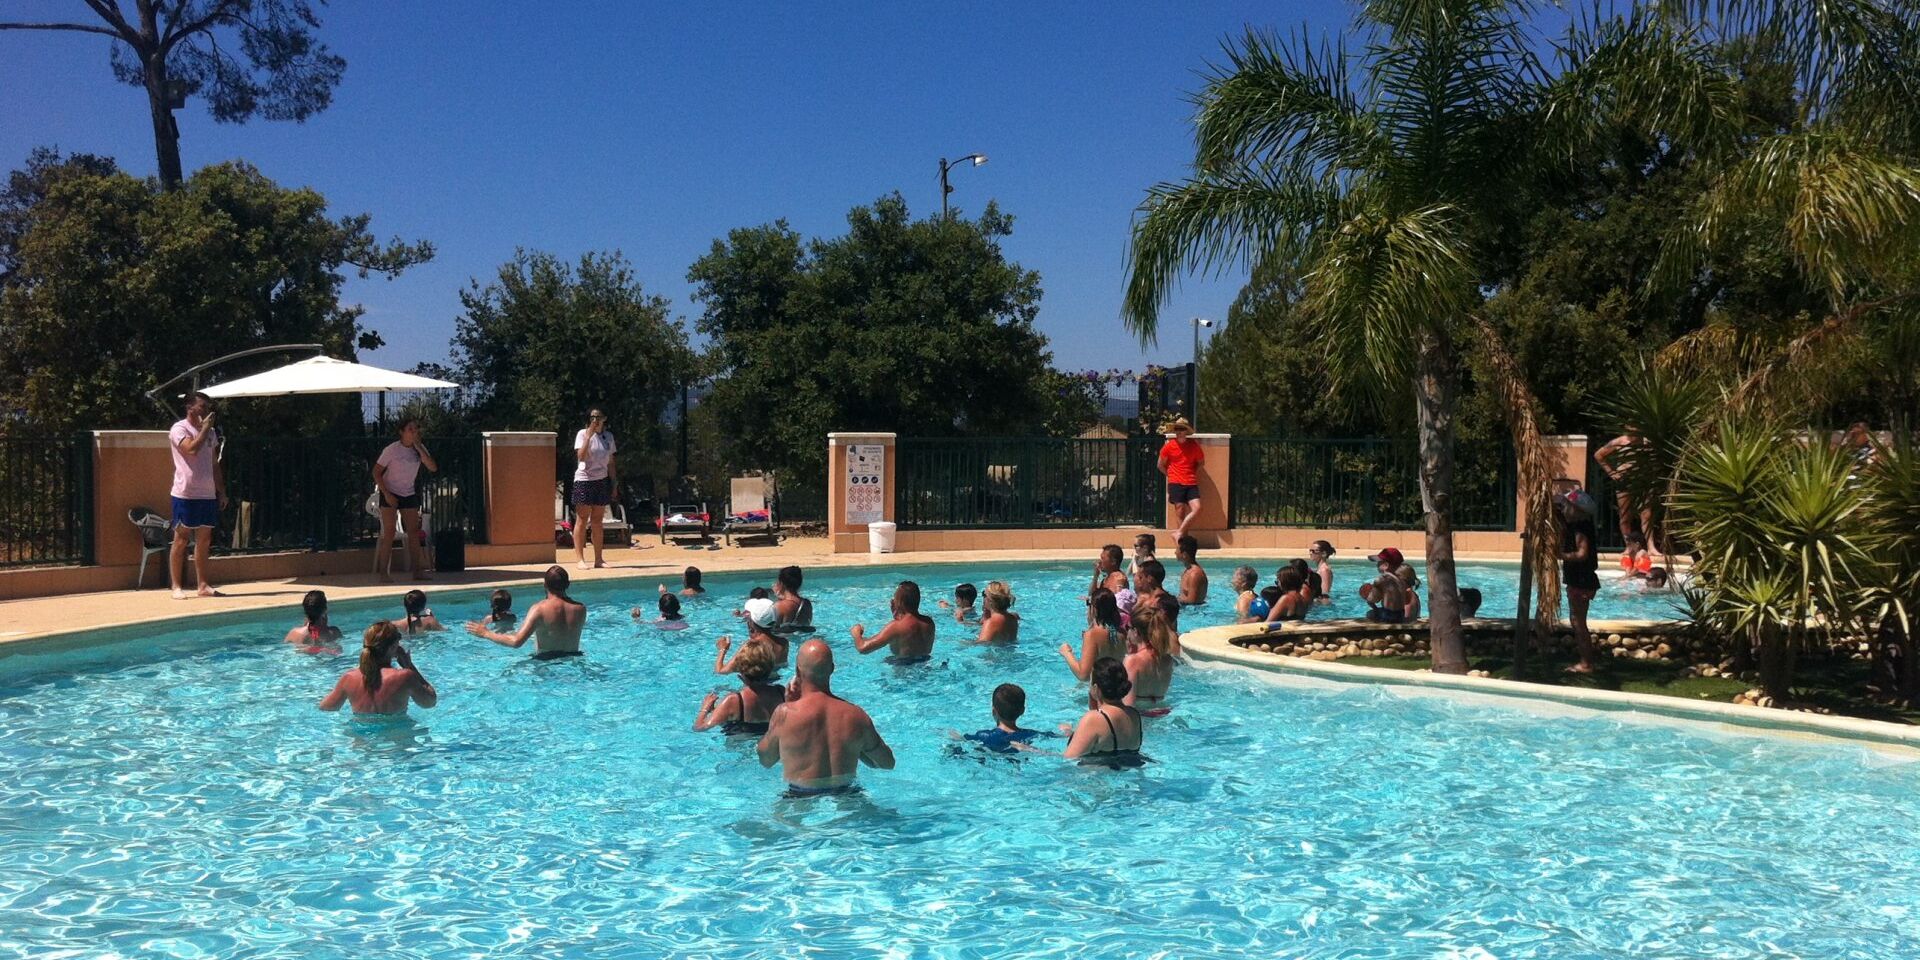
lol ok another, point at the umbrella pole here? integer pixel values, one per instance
(383, 412)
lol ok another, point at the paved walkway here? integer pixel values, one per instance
(42, 616)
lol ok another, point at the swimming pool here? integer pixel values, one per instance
(185, 799)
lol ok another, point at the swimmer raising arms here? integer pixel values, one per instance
(554, 623)
(908, 636)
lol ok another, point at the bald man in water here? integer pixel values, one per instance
(820, 738)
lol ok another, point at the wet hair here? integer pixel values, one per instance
(1110, 678)
(1291, 580)
(907, 594)
(756, 661)
(1271, 594)
(1155, 630)
(1407, 577)
(557, 582)
(999, 596)
(1187, 545)
(759, 593)
(1469, 601)
(501, 602)
(1636, 540)
(1245, 577)
(965, 593)
(1106, 609)
(314, 605)
(415, 603)
(1113, 554)
(1314, 585)
(376, 650)
(1145, 540)
(1009, 702)
(670, 606)
(691, 577)
(1325, 548)
(1153, 570)
(1657, 576)
(789, 578)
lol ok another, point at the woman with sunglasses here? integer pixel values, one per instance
(593, 486)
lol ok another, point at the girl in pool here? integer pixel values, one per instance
(670, 618)
(1319, 553)
(999, 624)
(419, 619)
(1150, 663)
(501, 614)
(316, 634)
(1143, 550)
(377, 686)
(747, 710)
(1412, 584)
(1103, 637)
(1309, 580)
(1110, 729)
(1243, 580)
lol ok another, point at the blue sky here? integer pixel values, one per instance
(655, 128)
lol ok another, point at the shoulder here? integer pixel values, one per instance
(180, 430)
(391, 450)
(579, 437)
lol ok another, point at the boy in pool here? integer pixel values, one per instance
(1469, 603)
(1193, 580)
(501, 610)
(1009, 702)
(962, 603)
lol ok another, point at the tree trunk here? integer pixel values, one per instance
(1433, 398)
(166, 136)
(1777, 652)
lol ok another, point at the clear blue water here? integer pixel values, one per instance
(178, 795)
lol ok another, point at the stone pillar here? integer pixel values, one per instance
(520, 490)
(131, 468)
(1572, 453)
(847, 535)
(1216, 468)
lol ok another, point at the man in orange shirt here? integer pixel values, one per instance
(1180, 460)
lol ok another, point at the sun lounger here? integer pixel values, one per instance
(751, 511)
(685, 520)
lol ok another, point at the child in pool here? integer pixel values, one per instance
(1143, 550)
(1469, 602)
(419, 619)
(502, 614)
(689, 583)
(670, 618)
(1243, 580)
(1009, 702)
(962, 602)
(316, 635)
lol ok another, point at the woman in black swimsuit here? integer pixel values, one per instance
(746, 710)
(1109, 733)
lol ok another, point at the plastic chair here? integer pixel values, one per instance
(156, 536)
(399, 535)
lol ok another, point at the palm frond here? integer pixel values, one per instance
(1215, 221)
(1538, 465)
(1274, 98)
(1644, 72)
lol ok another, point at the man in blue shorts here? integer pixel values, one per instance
(199, 492)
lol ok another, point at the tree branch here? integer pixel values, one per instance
(75, 27)
(220, 11)
(109, 10)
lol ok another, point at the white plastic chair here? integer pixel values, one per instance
(156, 536)
(399, 535)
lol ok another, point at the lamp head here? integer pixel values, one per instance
(979, 158)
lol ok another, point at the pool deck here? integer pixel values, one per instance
(49, 616)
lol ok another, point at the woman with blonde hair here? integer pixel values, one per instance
(376, 686)
(1150, 663)
(747, 710)
(998, 624)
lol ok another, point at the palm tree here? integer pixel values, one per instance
(1390, 197)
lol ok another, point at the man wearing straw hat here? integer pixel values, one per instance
(1180, 460)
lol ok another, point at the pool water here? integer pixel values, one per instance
(185, 799)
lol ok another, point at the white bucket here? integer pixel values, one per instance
(880, 537)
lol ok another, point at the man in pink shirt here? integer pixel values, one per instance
(1180, 459)
(199, 491)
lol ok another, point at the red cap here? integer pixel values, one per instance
(1389, 555)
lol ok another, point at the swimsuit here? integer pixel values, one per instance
(557, 654)
(1159, 711)
(798, 792)
(743, 726)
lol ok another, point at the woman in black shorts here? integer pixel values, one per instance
(593, 486)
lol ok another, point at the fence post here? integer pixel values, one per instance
(520, 483)
(131, 468)
(850, 505)
(82, 453)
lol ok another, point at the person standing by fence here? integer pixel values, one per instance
(199, 492)
(396, 478)
(1180, 460)
(593, 486)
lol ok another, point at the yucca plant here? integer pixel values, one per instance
(1662, 408)
(1890, 511)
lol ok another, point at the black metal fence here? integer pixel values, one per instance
(1362, 484)
(46, 500)
(293, 493)
(1606, 524)
(1026, 482)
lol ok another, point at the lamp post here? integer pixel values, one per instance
(1198, 322)
(975, 158)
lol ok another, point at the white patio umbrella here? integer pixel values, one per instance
(324, 375)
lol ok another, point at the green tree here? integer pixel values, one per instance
(27, 186)
(546, 341)
(119, 287)
(269, 65)
(917, 326)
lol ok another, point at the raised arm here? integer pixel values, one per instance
(714, 711)
(720, 647)
(421, 688)
(866, 644)
(192, 442)
(1083, 664)
(426, 459)
(334, 700)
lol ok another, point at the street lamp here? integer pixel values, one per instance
(1198, 322)
(945, 165)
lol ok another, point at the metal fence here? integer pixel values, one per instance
(1363, 484)
(295, 493)
(46, 500)
(1606, 523)
(1027, 482)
